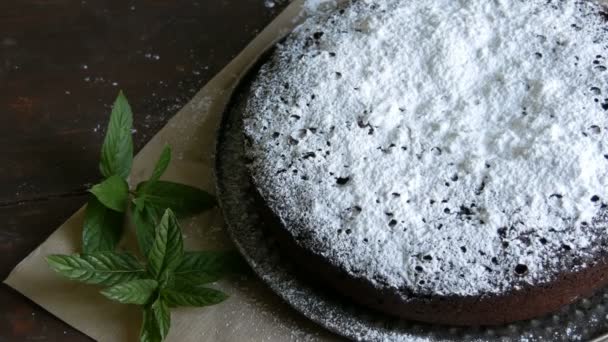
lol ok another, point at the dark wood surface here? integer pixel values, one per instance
(62, 63)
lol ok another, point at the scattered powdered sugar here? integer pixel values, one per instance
(313, 6)
(308, 6)
(273, 3)
(449, 147)
(241, 210)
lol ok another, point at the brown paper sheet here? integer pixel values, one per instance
(252, 313)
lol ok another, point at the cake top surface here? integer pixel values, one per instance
(444, 147)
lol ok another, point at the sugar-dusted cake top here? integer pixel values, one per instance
(447, 147)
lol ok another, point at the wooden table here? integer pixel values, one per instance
(62, 63)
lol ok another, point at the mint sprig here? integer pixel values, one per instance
(166, 276)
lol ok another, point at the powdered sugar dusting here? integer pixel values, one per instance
(577, 322)
(449, 147)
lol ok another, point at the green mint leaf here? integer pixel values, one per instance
(102, 227)
(139, 203)
(196, 278)
(113, 193)
(103, 268)
(168, 248)
(161, 164)
(146, 219)
(132, 292)
(193, 296)
(211, 261)
(197, 268)
(117, 149)
(184, 200)
(162, 316)
(149, 329)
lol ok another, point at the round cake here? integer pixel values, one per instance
(443, 161)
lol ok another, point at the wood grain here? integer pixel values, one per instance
(62, 63)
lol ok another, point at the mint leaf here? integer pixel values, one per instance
(161, 164)
(184, 200)
(193, 296)
(162, 316)
(167, 249)
(211, 261)
(132, 292)
(103, 268)
(117, 148)
(146, 219)
(198, 268)
(102, 227)
(113, 193)
(156, 205)
(149, 329)
(196, 278)
(139, 203)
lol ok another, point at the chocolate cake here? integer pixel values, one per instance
(443, 161)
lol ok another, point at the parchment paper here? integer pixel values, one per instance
(252, 313)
